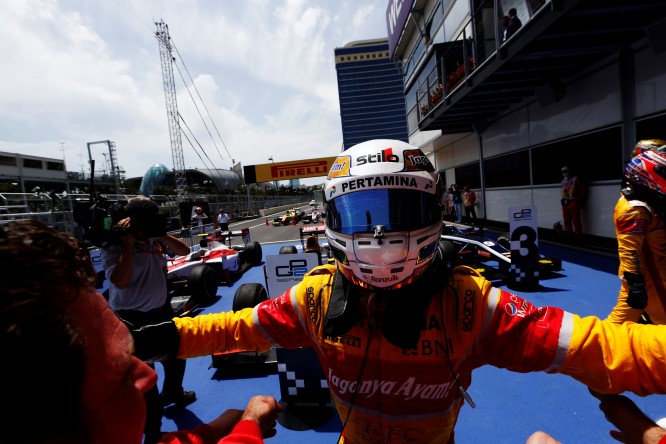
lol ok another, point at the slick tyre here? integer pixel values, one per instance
(448, 251)
(504, 239)
(202, 283)
(252, 253)
(248, 296)
(288, 249)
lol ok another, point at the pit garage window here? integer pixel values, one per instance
(511, 170)
(594, 156)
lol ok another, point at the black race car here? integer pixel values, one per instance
(468, 246)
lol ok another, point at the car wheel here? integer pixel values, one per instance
(252, 253)
(288, 249)
(230, 276)
(449, 252)
(504, 240)
(202, 283)
(248, 296)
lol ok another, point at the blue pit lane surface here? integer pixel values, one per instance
(509, 406)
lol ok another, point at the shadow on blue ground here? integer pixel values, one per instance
(600, 262)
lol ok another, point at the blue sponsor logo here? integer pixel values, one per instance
(296, 268)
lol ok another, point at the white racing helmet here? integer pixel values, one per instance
(383, 219)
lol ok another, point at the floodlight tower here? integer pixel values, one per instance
(162, 35)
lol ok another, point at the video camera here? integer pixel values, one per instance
(98, 220)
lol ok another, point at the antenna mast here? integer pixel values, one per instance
(162, 35)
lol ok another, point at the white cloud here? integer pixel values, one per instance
(77, 71)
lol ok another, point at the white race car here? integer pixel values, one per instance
(193, 279)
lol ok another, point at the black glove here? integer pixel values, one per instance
(156, 342)
(637, 297)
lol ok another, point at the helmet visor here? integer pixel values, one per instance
(396, 209)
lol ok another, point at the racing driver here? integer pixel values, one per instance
(641, 236)
(396, 332)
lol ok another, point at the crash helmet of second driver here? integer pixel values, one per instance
(645, 176)
(648, 145)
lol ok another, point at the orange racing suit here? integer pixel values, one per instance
(400, 395)
(641, 239)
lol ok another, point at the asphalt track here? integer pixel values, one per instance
(509, 406)
(267, 234)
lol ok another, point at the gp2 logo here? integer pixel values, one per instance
(296, 267)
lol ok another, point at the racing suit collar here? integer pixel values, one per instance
(403, 313)
(341, 312)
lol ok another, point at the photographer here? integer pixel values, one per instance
(135, 267)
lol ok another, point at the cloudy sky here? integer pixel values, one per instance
(79, 71)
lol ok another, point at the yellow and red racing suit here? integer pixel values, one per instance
(641, 239)
(410, 395)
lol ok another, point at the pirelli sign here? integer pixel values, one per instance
(269, 172)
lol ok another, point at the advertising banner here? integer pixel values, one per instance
(397, 13)
(298, 169)
(283, 271)
(301, 378)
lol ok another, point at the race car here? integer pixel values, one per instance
(285, 219)
(468, 246)
(313, 216)
(193, 279)
(316, 231)
(290, 217)
(246, 362)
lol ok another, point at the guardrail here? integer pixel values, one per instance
(56, 210)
